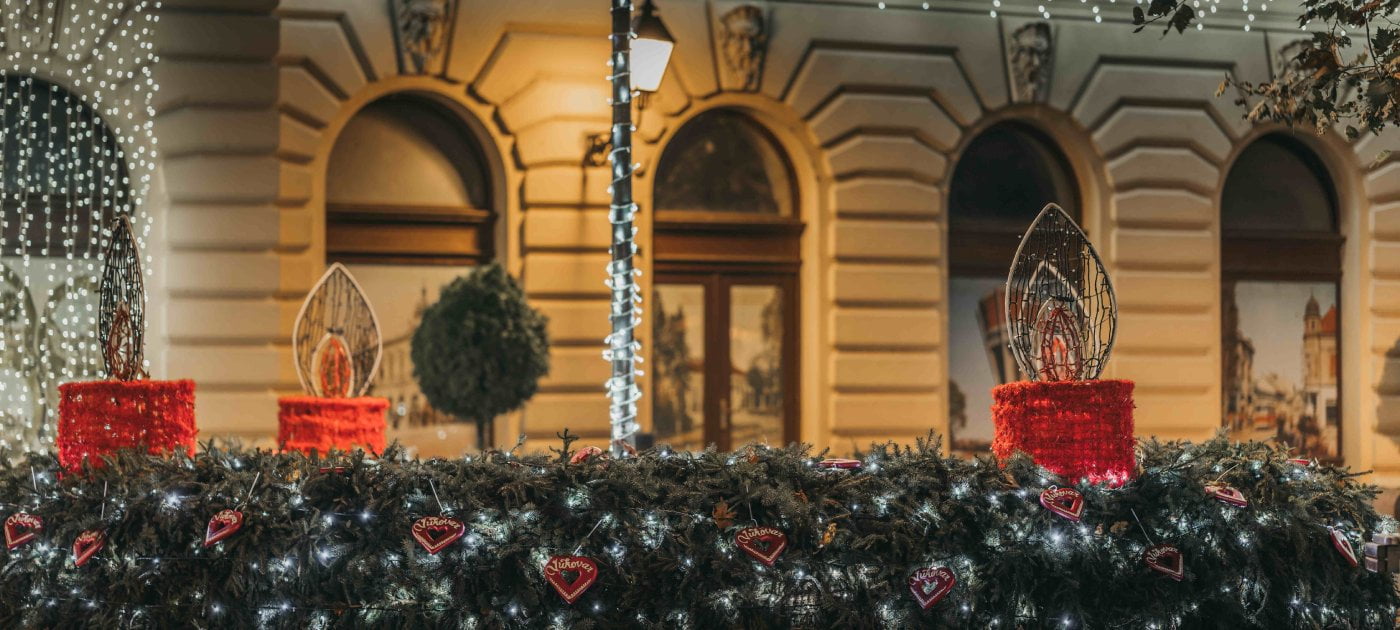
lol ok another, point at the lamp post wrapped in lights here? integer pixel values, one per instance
(654, 46)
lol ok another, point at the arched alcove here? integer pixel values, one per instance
(63, 179)
(1002, 178)
(1281, 269)
(409, 207)
(724, 301)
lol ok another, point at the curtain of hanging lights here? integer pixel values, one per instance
(76, 149)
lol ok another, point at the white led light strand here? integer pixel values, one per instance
(77, 148)
(626, 311)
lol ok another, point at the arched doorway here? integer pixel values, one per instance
(1002, 179)
(725, 293)
(1281, 269)
(409, 207)
(63, 179)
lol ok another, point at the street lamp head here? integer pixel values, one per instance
(651, 49)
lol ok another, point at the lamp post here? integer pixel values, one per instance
(654, 45)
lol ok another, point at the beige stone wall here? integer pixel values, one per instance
(873, 107)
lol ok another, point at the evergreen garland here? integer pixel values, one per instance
(332, 548)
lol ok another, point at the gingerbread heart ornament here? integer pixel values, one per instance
(765, 544)
(1226, 493)
(571, 575)
(437, 532)
(931, 584)
(1343, 545)
(223, 524)
(87, 544)
(21, 528)
(1066, 502)
(1165, 559)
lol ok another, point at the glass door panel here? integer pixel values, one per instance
(678, 363)
(757, 379)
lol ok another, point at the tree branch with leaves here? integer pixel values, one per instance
(1345, 74)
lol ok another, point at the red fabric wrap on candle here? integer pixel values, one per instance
(306, 423)
(1076, 429)
(98, 418)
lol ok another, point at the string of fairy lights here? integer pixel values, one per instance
(77, 148)
(1114, 11)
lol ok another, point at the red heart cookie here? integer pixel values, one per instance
(765, 544)
(223, 524)
(437, 532)
(21, 528)
(1165, 559)
(1343, 545)
(87, 544)
(1226, 493)
(1066, 502)
(931, 584)
(571, 575)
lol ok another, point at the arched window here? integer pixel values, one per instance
(1002, 179)
(1281, 267)
(63, 178)
(724, 298)
(408, 209)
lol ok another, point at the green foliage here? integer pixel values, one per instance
(481, 349)
(1347, 74)
(335, 548)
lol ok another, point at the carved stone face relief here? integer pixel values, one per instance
(421, 32)
(743, 33)
(1030, 57)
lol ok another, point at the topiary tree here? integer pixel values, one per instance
(481, 349)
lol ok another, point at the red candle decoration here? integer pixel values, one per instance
(306, 423)
(101, 417)
(1075, 429)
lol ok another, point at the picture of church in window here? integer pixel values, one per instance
(1280, 365)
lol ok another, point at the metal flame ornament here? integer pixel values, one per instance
(121, 317)
(336, 340)
(1061, 312)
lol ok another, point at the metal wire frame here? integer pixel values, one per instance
(1061, 311)
(336, 311)
(121, 314)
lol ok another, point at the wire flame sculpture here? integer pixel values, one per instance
(121, 317)
(336, 341)
(1061, 311)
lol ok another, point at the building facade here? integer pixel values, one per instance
(823, 186)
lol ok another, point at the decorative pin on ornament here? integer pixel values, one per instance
(435, 533)
(228, 521)
(1061, 311)
(336, 342)
(121, 318)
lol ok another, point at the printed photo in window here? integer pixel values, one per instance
(1280, 365)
